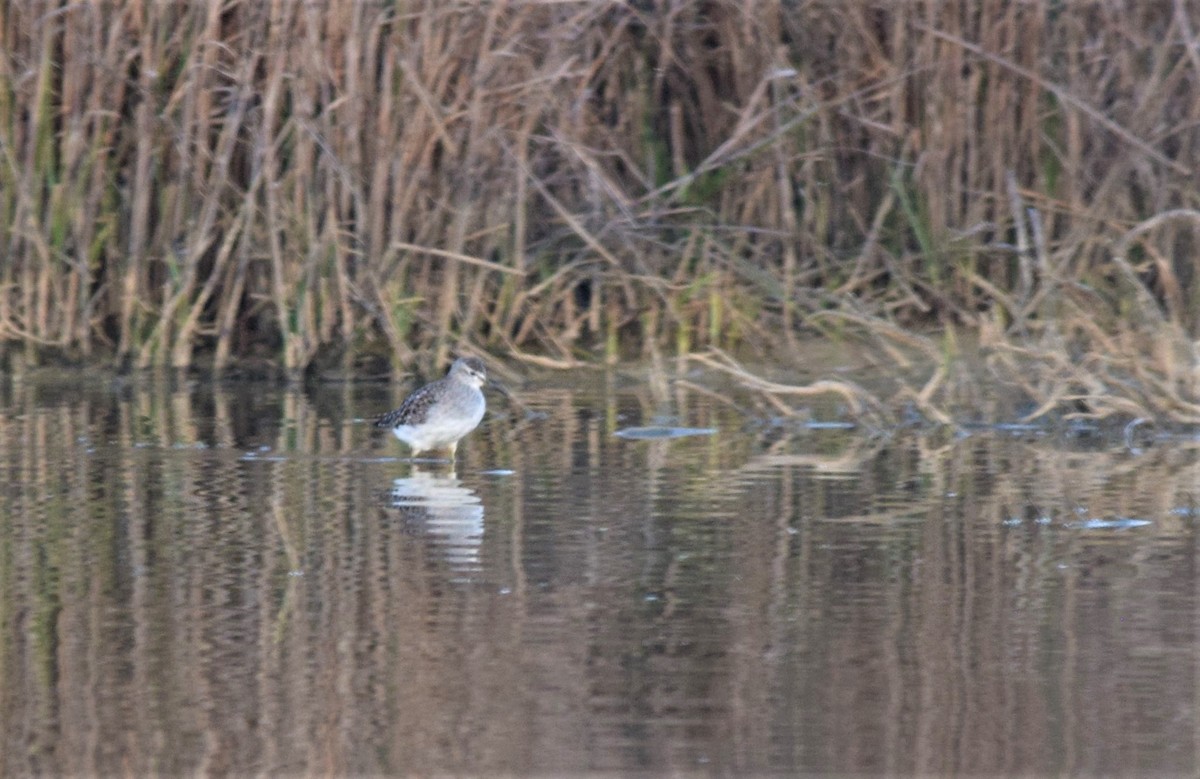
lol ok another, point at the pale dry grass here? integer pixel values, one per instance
(354, 184)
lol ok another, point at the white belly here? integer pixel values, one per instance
(439, 432)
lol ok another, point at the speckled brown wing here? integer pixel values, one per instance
(414, 410)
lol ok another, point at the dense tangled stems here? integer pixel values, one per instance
(331, 185)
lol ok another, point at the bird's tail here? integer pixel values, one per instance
(387, 420)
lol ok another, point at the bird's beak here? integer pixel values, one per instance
(496, 385)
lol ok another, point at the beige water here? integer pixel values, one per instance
(249, 579)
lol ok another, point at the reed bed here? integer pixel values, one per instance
(353, 186)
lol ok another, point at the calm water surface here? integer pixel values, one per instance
(246, 578)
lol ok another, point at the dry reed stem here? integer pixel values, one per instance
(457, 257)
(1067, 97)
(862, 404)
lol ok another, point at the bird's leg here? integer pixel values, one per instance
(453, 450)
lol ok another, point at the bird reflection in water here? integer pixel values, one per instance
(447, 512)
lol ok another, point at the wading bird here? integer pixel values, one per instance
(438, 415)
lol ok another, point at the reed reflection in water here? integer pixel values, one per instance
(199, 578)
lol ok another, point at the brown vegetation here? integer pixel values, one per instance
(350, 183)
